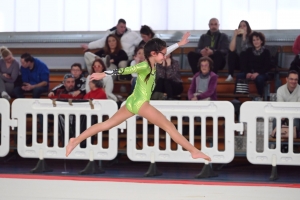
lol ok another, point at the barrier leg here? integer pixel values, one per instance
(206, 172)
(152, 171)
(92, 168)
(274, 175)
(41, 167)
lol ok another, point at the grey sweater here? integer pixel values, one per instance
(13, 71)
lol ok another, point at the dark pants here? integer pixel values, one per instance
(217, 57)
(168, 86)
(234, 61)
(259, 81)
(36, 92)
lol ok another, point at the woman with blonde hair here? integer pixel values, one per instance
(9, 71)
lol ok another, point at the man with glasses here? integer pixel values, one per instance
(79, 87)
(213, 44)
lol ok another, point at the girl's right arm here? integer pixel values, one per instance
(128, 70)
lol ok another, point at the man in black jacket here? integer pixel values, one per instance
(213, 44)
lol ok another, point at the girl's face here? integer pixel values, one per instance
(243, 26)
(160, 56)
(256, 42)
(140, 55)
(204, 67)
(146, 38)
(112, 42)
(98, 68)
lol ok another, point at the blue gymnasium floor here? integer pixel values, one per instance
(239, 170)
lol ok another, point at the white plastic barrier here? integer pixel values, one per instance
(250, 112)
(5, 124)
(22, 107)
(180, 109)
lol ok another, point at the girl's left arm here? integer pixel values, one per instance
(184, 40)
(128, 70)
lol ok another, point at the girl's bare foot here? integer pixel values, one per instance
(71, 145)
(199, 154)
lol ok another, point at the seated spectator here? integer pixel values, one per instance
(239, 43)
(295, 65)
(63, 93)
(97, 91)
(35, 77)
(146, 34)
(67, 92)
(128, 38)
(168, 79)
(113, 48)
(289, 92)
(79, 87)
(138, 57)
(9, 71)
(256, 62)
(213, 44)
(98, 66)
(204, 83)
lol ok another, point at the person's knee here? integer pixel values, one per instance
(123, 64)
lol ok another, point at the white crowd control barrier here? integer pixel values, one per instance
(185, 111)
(22, 108)
(5, 125)
(250, 112)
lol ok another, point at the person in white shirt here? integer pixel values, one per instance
(289, 92)
(129, 40)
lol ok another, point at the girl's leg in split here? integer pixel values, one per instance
(158, 119)
(120, 116)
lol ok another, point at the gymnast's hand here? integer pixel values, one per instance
(97, 76)
(184, 40)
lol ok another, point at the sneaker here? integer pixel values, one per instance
(5, 96)
(229, 78)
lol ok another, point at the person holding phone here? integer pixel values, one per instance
(239, 43)
(35, 77)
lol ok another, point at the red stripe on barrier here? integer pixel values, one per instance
(157, 181)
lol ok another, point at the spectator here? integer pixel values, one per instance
(146, 34)
(128, 38)
(213, 44)
(76, 71)
(9, 71)
(168, 79)
(239, 43)
(117, 57)
(63, 93)
(295, 65)
(296, 46)
(97, 91)
(67, 91)
(35, 77)
(256, 62)
(204, 83)
(108, 84)
(289, 92)
(138, 57)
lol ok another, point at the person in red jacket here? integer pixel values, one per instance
(97, 91)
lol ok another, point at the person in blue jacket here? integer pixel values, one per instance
(35, 77)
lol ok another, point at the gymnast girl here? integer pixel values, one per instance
(138, 102)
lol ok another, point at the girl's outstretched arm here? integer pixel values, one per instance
(97, 76)
(184, 40)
